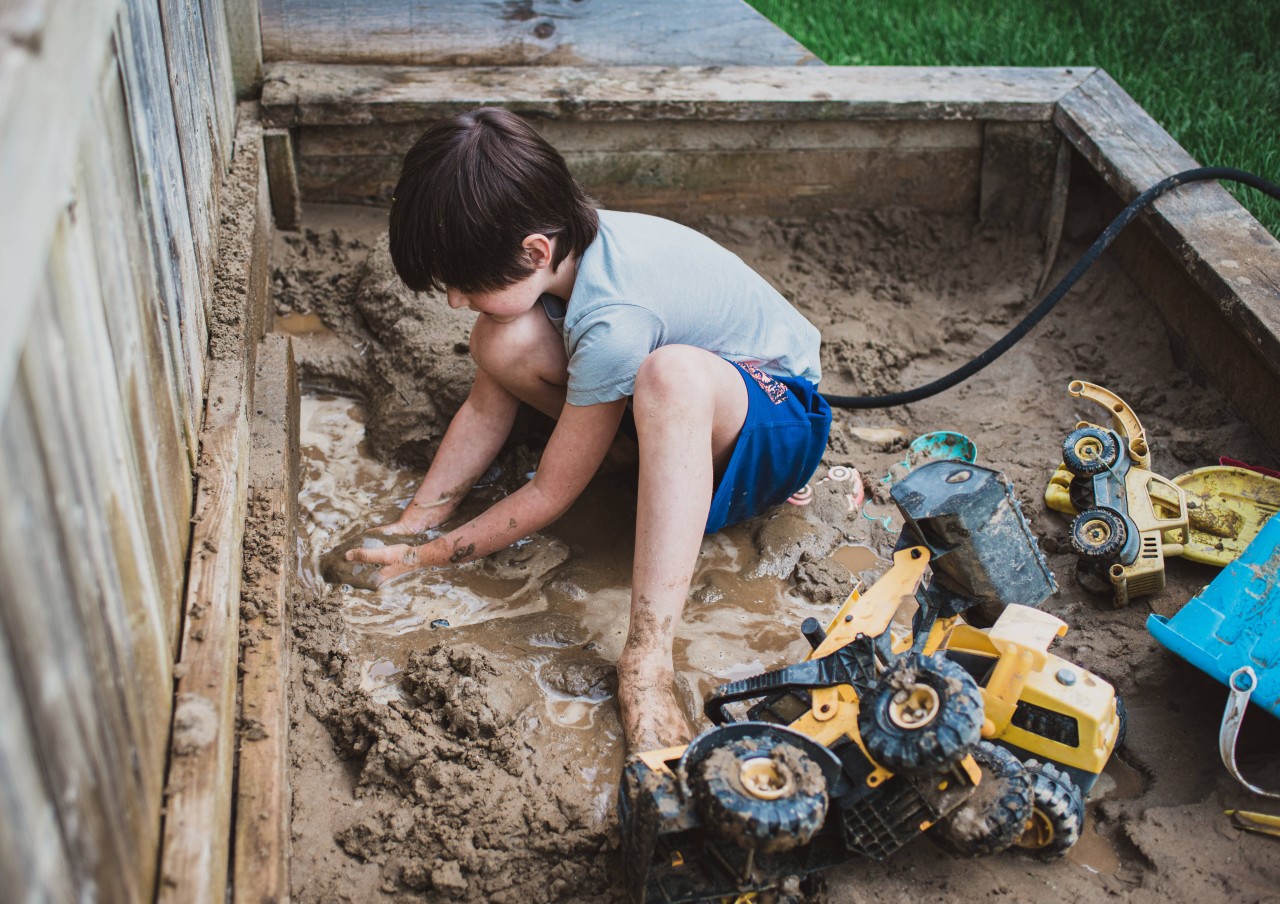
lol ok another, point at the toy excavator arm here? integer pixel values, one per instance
(1123, 419)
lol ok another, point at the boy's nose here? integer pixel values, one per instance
(456, 299)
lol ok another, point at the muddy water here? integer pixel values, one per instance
(1095, 851)
(555, 606)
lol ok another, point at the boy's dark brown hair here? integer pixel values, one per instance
(471, 189)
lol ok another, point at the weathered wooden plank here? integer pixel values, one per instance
(197, 829)
(282, 175)
(244, 37)
(222, 87)
(87, 441)
(55, 657)
(549, 32)
(262, 837)
(1055, 213)
(53, 52)
(33, 860)
(190, 82)
(945, 180)
(1228, 254)
(1019, 161)
(167, 219)
(160, 480)
(393, 140)
(297, 94)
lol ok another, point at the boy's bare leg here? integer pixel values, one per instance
(689, 406)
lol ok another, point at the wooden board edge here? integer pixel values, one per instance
(318, 94)
(196, 837)
(1229, 255)
(261, 845)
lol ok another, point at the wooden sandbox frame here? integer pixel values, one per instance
(1010, 147)
(1001, 144)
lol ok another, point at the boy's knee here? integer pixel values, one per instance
(672, 371)
(496, 347)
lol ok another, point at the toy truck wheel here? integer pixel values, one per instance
(1098, 534)
(996, 814)
(1057, 812)
(924, 715)
(1088, 451)
(1122, 716)
(761, 794)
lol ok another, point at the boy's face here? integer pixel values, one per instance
(503, 305)
(506, 304)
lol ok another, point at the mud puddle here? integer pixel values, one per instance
(564, 590)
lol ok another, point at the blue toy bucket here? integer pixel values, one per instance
(1235, 622)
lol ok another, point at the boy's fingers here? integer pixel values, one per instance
(383, 556)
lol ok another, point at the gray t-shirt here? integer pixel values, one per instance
(646, 282)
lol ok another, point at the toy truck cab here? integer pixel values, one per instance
(1037, 704)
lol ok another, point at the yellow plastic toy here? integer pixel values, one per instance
(1226, 507)
(1129, 518)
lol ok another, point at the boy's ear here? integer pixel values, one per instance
(538, 248)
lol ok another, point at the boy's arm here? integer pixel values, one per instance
(574, 453)
(470, 444)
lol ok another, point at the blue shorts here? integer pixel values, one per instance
(781, 443)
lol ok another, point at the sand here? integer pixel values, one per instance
(477, 760)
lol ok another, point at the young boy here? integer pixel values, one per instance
(582, 314)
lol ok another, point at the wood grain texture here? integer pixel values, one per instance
(61, 650)
(198, 827)
(34, 863)
(282, 176)
(190, 82)
(50, 60)
(296, 94)
(262, 835)
(526, 32)
(244, 39)
(166, 218)
(141, 373)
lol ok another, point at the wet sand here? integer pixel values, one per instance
(478, 759)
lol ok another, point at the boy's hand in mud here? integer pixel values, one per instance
(392, 561)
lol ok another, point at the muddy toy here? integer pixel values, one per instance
(1124, 508)
(1231, 631)
(872, 739)
(1060, 721)
(844, 754)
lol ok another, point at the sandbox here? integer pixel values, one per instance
(455, 737)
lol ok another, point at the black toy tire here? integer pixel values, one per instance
(1089, 450)
(952, 719)
(1057, 812)
(1098, 533)
(995, 815)
(742, 817)
(1122, 716)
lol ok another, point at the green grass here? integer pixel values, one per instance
(1209, 72)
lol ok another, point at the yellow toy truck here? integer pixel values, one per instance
(879, 735)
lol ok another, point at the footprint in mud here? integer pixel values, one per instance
(335, 569)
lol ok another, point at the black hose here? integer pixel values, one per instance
(967, 370)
